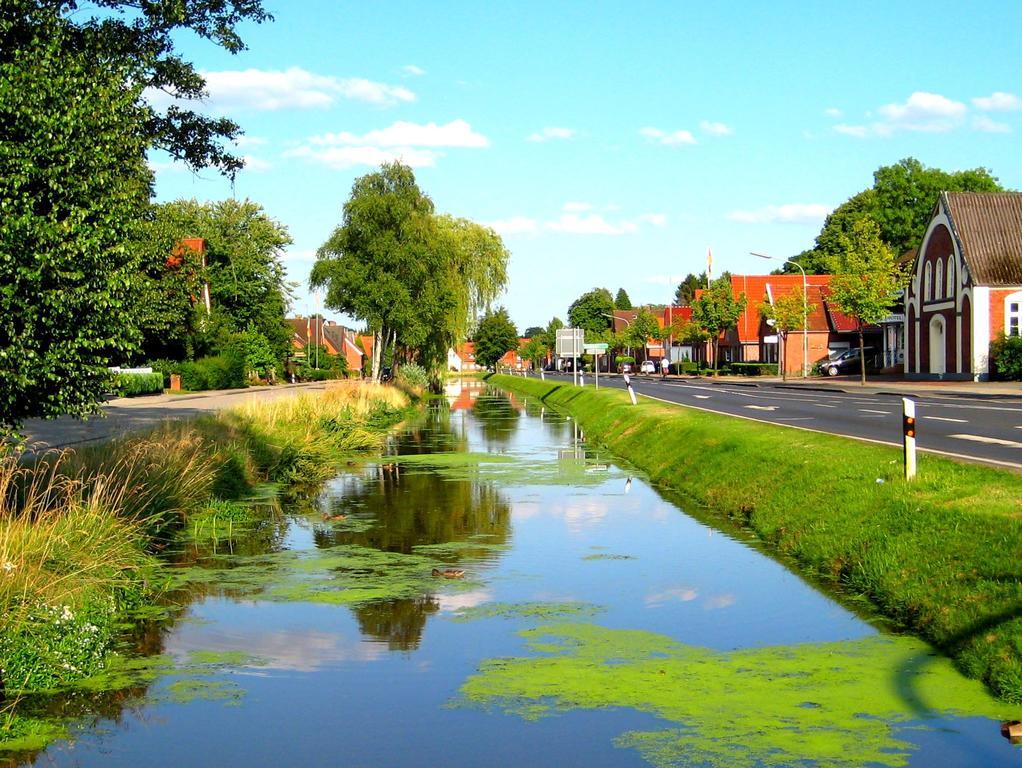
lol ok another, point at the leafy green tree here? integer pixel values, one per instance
(717, 311)
(243, 271)
(532, 331)
(592, 311)
(643, 328)
(73, 186)
(867, 281)
(900, 201)
(534, 350)
(788, 313)
(685, 293)
(621, 301)
(377, 260)
(495, 336)
(74, 131)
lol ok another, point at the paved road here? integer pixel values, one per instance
(131, 414)
(986, 428)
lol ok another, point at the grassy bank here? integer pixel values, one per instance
(941, 556)
(80, 530)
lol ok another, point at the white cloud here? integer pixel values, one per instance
(552, 133)
(593, 224)
(858, 131)
(833, 112)
(516, 225)
(999, 101)
(927, 112)
(715, 129)
(249, 141)
(656, 219)
(986, 125)
(253, 163)
(456, 133)
(293, 88)
(341, 158)
(794, 213)
(669, 139)
(414, 71)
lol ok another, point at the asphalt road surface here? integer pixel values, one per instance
(987, 429)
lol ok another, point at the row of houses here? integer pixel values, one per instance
(965, 289)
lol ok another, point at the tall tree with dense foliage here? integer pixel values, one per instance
(243, 270)
(899, 202)
(495, 336)
(74, 183)
(592, 310)
(416, 279)
(643, 328)
(621, 301)
(685, 293)
(716, 311)
(867, 281)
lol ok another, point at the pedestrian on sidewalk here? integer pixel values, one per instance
(665, 367)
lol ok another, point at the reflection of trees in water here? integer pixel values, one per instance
(398, 622)
(432, 433)
(408, 507)
(498, 414)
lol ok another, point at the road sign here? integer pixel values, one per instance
(570, 341)
(595, 349)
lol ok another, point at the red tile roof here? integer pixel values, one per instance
(757, 289)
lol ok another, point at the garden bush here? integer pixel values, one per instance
(685, 367)
(220, 372)
(752, 369)
(413, 375)
(1006, 352)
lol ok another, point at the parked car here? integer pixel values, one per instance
(624, 368)
(648, 366)
(848, 361)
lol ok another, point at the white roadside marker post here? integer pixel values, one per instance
(631, 392)
(908, 422)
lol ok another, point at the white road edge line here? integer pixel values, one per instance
(934, 451)
(989, 440)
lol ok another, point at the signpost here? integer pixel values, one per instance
(908, 429)
(595, 350)
(569, 343)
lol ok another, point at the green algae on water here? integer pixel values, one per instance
(527, 610)
(608, 556)
(833, 704)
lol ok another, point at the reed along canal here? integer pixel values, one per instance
(496, 592)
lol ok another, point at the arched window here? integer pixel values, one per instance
(938, 279)
(927, 282)
(951, 276)
(1013, 314)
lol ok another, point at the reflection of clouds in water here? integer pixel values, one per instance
(455, 602)
(720, 601)
(681, 594)
(585, 513)
(282, 649)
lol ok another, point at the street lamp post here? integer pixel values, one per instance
(805, 309)
(628, 323)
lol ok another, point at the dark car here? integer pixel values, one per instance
(848, 361)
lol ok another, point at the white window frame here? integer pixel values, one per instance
(938, 279)
(951, 276)
(1013, 328)
(928, 282)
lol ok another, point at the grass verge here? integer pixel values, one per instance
(79, 529)
(940, 556)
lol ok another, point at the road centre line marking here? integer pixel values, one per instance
(762, 407)
(707, 397)
(823, 405)
(950, 454)
(870, 410)
(989, 440)
(945, 418)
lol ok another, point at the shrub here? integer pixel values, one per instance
(256, 351)
(685, 366)
(166, 367)
(221, 372)
(133, 384)
(753, 369)
(413, 376)
(1006, 352)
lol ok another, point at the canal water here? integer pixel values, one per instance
(497, 592)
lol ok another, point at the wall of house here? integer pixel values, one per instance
(939, 263)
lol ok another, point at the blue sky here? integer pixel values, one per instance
(611, 144)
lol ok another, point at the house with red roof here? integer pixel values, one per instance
(332, 336)
(754, 340)
(966, 285)
(462, 358)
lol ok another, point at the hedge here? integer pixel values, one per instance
(134, 384)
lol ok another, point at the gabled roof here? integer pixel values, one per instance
(988, 226)
(760, 288)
